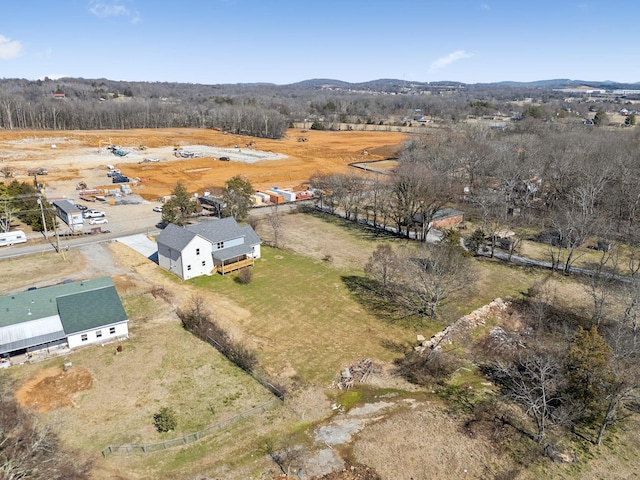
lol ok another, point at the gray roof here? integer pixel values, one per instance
(446, 213)
(250, 236)
(215, 231)
(232, 252)
(175, 237)
(67, 206)
(221, 230)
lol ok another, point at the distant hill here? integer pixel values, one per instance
(391, 83)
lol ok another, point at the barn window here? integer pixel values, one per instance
(204, 263)
(112, 330)
(84, 337)
(197, 251)
(99, 334)
(220, 245)
(188, 267)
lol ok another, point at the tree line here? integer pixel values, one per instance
(261, 109)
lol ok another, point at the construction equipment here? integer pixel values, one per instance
(184, 154)
(117, 151)
(142, 147)
(81, 186)
(38, 171)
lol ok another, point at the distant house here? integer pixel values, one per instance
(63, 316)
(443, 218)
(69, 213)
(220, 246)
(58, 95)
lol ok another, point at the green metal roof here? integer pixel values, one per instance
(39, 303)
(90, 309)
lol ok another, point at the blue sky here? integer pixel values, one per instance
(285, 41)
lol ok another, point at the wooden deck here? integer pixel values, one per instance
(232, 267)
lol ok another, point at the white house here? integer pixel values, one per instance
(184, 253)
(213, 246)
(62, 316)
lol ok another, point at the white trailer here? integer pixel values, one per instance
(9, 238)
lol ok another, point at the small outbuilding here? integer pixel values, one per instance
(69, 213)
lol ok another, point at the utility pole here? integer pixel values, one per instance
(44, 222)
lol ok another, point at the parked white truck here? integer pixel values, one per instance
(9, 238)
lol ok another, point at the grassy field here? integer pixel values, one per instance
(306, 322)
(303, 320)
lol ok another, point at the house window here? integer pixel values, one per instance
(112, 330)
(197, 251)
(99, 334)
(220, 245)
(84, 337)
(204, 263)
(188, 267)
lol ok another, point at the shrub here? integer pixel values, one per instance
(426, 369)
(165, 420)
(475, 241)
(245, 276)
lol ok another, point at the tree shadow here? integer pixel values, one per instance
(371, 296)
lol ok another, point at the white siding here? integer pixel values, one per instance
(121, 331)
(196, 258)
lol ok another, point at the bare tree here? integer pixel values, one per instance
(274, 218)
(533, 381)
(430, 274)
(383, 265)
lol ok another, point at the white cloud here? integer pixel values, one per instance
(113, 8)
(9, 48)
(449, 59)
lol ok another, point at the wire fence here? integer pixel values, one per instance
(268, 385)
(190, 437)
(195, 436)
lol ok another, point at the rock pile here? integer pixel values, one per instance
(475, 319)
(356, 373)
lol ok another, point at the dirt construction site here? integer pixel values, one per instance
(155, 160)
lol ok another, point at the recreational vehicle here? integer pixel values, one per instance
(9, 238)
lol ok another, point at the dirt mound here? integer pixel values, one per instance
(53, 388)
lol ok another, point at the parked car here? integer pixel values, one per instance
(98, 221)
(224, 159)
(120, 179)
(157, 208)
(94, 214)
(81, 207)
(114, 172)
